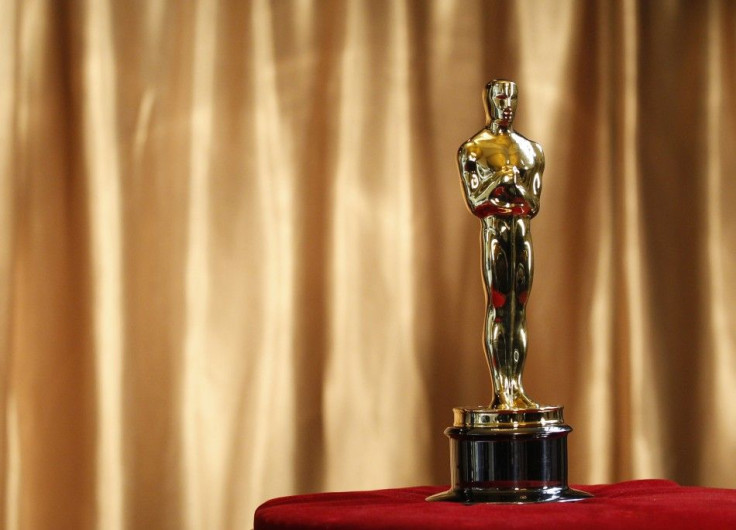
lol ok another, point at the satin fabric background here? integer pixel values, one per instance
(235, 261)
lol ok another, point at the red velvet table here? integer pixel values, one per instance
(645, 504)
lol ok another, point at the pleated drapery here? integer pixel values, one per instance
(235, 261)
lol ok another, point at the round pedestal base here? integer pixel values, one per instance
(509, 457)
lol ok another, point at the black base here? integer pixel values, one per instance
(509, 465)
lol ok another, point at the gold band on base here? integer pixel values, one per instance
(476, 417)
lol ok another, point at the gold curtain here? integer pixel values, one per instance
(235, 261)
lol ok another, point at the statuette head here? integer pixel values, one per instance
(500, 102)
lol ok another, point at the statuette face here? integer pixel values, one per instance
(500, 101)
(501, 173)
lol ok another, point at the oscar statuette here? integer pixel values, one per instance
(514, 450)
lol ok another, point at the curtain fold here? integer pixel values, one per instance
(235, 261)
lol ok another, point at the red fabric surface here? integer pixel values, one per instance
(646, 504)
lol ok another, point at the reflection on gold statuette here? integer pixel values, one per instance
(512, 451)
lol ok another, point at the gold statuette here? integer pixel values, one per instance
(502, 178)
(514, 450)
